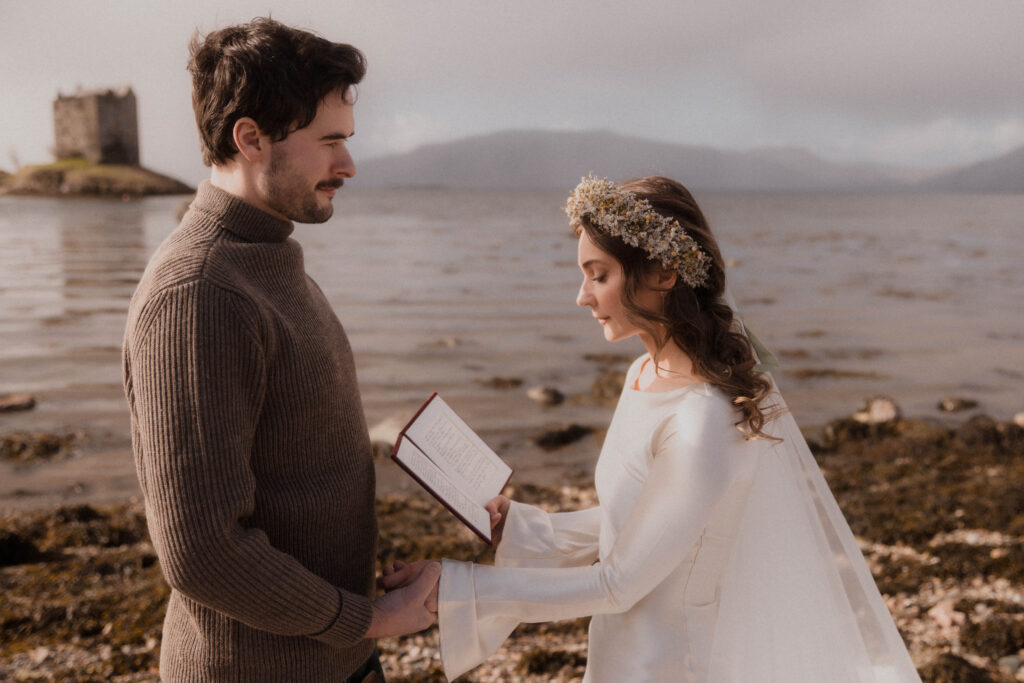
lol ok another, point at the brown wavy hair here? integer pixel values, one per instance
(273, 73)
(697, 320)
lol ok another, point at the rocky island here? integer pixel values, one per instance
(83, 178)
(96, 147)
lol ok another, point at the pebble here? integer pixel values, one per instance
(944, 614)
(1018, 420)
(384, 434)
(546, 396)
(878, 410)
(502, 382)
(954, 404)
(16, 549)
(1010, 662)
(557, 437)
(387, 430)
(10, 403)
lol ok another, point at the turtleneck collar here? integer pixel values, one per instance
(239, 217)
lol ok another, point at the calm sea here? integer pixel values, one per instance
(916, 296)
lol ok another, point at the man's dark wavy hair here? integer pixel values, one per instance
(273, 73)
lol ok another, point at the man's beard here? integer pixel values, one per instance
(288, 194)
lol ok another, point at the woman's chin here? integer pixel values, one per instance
(612, 336)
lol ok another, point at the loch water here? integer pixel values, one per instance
(914, 296)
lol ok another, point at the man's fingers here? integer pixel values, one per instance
(417, 577)
(427, 579)
(426, 588)
(396, 577)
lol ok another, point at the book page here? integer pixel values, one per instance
(421, 467)
(458, 452)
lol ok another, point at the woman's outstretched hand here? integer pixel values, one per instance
(409, 605)
(498, 507)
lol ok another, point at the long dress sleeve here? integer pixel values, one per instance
(198, 382)
(533, 537)
(690, 470)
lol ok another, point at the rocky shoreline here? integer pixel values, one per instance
(939, 512)
(81, 178)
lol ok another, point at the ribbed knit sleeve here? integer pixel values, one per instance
(198, 382)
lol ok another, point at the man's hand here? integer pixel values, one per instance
(498, 507)
(401, 574)
(410, 607)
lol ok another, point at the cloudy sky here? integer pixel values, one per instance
(921, 83)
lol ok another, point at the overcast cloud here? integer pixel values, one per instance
(904, 82)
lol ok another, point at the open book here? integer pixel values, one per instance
(450, 461)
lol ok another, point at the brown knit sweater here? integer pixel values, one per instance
(253, 454)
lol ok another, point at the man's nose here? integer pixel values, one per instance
(344, 165)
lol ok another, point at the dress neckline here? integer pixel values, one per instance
(631, 385)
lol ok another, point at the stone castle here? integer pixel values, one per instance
(99, 125)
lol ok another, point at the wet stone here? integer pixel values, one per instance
(842, 431)
(878, 410)
(949, 668)
(28, 447)
(978, 431)
(503, 383)
(10, 403)
(15, 549)
(954, 404)
(384, 434)
(996, 636)
(562, 436)
(1010, 433)
(546, 396)
(1010, 663)
(541, 661)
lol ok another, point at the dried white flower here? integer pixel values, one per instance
(620, 213)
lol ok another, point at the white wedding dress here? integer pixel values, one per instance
(711, 558)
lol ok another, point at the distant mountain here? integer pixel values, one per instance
(557, 159)
(532, 159)
(1002, 174)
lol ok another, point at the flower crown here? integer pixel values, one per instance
(622, 214)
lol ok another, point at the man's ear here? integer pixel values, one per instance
(250, 141)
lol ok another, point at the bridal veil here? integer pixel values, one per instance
(798, 603)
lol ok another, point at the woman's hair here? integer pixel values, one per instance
(696, 319)
(273, 73)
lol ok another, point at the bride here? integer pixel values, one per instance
(717, 552)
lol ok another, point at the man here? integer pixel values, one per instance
(247, 426)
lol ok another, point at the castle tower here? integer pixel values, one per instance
(98, 125)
